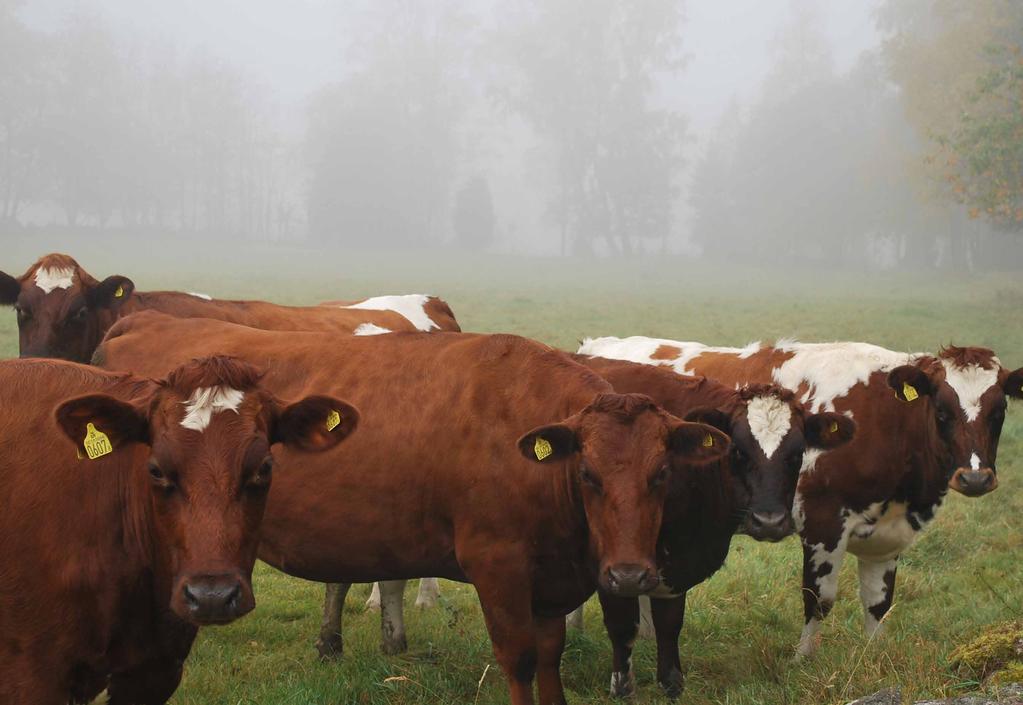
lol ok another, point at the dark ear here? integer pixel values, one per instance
(86, 420)
(315, 424)
(697, 442)
(110, 293)
(1013, 384)
(549, 444)
(909, 382)
(828, 430)
(10, 289)
(712, 417)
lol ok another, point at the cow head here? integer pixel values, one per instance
(623, 450)
(209, 427)
(62, 311)
(770, 434)
(968, 388)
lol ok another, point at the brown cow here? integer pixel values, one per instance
(113, 555)
(449, 480)
(939, 428)
(63, 312)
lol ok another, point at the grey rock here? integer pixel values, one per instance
(890, 696)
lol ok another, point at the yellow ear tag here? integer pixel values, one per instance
(119, 293)
(333, 420)
(542, 448)
(833, 428)
(96, 443)
(708, 441)
(909, 391)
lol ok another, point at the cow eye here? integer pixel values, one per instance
(943, 416)
(660, 477)
(158, 476)
(795, 459)
(589, 478)
(23, 313)
(260, 480)
(78, 316)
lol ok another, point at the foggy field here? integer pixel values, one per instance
(743, 624)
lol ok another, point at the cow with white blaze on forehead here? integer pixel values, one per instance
(64, 312)
(924, 423)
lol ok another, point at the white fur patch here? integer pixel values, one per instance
(370, 329)
(974, 462)
(411, 306)
(970, 383)
(58, 278)
(641, 349)
(769, 419)
(880, 534)
(204, 297)
(205, 402)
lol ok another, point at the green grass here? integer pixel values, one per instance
(742, 625)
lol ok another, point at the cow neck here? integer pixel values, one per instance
(930, 461)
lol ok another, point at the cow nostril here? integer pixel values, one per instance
(190, 597)
(234, 596)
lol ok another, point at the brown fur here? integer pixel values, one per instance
(965, 357)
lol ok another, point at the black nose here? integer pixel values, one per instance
(213, 598)
(772, 526)
(630, 580)
(976, 482)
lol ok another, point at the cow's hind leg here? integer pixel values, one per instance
(373, 601)
(429, 592)
(877, 589)
(392, 616)
(330, 644)
(668, 617)
(824, 547)
(621, 618)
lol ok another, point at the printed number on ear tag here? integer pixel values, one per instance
(119, 293)
(708, 441)
(542, 448)
(833, 428)
(909, 391)
(333, 420)
(96, 443)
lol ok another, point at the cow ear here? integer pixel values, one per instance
(98, 424)
(828, 430)
(110, 293)
(909, 382)
(315, 424)
(712, 417)
(10, 289)
(549, 444)
(697, 442)
(1013, 384)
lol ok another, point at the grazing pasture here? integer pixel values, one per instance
(742, 625)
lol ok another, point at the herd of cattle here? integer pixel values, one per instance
(136, 466)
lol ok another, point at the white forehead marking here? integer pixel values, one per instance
(57, 278)
(411, 306)
(974, 462)
(204, 297)
(970, 383)
(769, 419)
(641, 349)
(370, 329)
(205, 402)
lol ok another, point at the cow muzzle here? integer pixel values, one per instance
(213, 599)
(629, 579)
(769, 526)
(974, 483)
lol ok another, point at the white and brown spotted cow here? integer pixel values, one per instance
(939, 429)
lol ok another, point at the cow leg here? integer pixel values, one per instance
(877, 589)
(429, 592)
(824, 548)
(392, 616)
(330, 644)
(373, 601)
(574, 619)
(621, 619)
(550, 643)
(152, 683)
(668, 617)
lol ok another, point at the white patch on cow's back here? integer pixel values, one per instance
(640, 349)
(370, 329)
(56, 278)
(206, 401)
(769, 419)
(830, 370)
(204, 297)
(970, 383)
(411, 306)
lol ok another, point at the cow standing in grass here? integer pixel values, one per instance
(119, 543)
(925, 423)
(488, 459)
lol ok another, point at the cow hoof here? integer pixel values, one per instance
(673, 684)
(393, 647)
(623, 685)
(330, 648)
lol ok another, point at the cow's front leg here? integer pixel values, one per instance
(331, 644)
(621, 618)
(550, 644)
(877, 590)
(429, 592)
(668, 617)
(152, 683)
(824, 544)
(392, 616)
